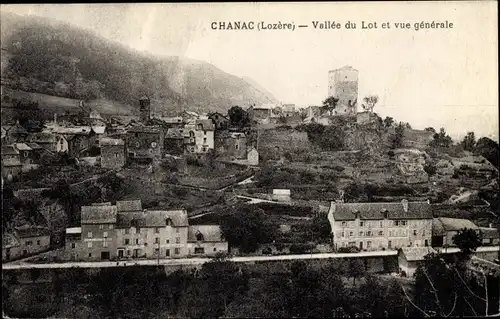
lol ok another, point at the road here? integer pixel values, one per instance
(192, 261)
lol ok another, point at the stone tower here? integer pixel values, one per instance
(145, 109)
(343, 84)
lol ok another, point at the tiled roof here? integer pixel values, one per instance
(98, 214)
(207, 125)
(81, 130)
(22, 147)
(43, 138)
(99, 129)
(455, 224)
(129, 205)
(9, 162)
(177, 133)
(9, 240)
(74, 230)
(211, 233)
(173, 120)
(156, 218)
(111, 142)
(9, 150)
(34, 146)
(16, 129)
(395, 210)
(416, 253)
(144, 129)
(102, 204)
(32, 231)
(489, 232)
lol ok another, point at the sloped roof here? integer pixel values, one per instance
(74, 230)
(176, 133)
(236, 134)
(489, 232)
(455, 224)
(395, 210)
(34, 146)
(32, 231)
(173, 120)
(207, 124)
(155, 218)
(80, 130)
(22, 147)
(111, 142)
(144, 129)
(129, 205)
(98, 214)
(416, 253)
(16, 129)
(99, 129)
(211, 233)
(9, 240)
(9, 162)
(9, 150)
(43, 138)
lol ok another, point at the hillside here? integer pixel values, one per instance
(44, 56)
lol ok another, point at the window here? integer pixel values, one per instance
(157, 240)
(177, 230)
(389, 244)
(426, 243)
(137, 230)
(73, 245)
(168, 241)
(89, 235)
(137, 241)
(105, 234)
(128, 252)
(343, 224)
(403, 222)
(414, 232)
(89, 244)
(127, 241)
(361, 224)
(381, 233)
(368, 233)
(396, 223)
(167, 252)
(237, 146)
(177, 251)
(368, 244)
(423, 232)
(360, 233)
(101, 226)
(199, 250)
(343, 234)
(110, 226)
(127, 231)
(351, 233)
(177, 240)
(204, 140)
(215, 249)
(29, 242)
(381, 224)
(38, 242)
(157, 251)
(90, 255)
(104, 244)
(204, 132)
(157, 230)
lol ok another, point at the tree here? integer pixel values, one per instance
(238, 117)
(469, 142)
(370, 102)
(388, 121)
(489, 149)
(467, 240)
(441, 139)
(430, 129)
(320, 227)
(247, 228)
(397, 137)
(329, 104)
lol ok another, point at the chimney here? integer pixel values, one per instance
(405, 204)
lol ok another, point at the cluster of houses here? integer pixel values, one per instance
(127, 231)
(117, 144)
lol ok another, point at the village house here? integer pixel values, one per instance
(126, 230)
(11, 162)
(205, 240)
(490, 235)
(233, 145)
(220, 121)
(24, 242)
(113, 153)
(14, 133)
(380, 226)
(443, 230)
(79, 138)
(199, 136)
(50, 142)
(173, 121)
(259, 113)
(144, 143)
(28, 156)
(73, 243)
(410, 258)
(174, 141)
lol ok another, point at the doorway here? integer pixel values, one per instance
(120, 253)
(105, 255)
(360, 245)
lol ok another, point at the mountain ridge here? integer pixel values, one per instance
(46, 56)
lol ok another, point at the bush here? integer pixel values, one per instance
(301, 248)
(350, 249)
(430, 169)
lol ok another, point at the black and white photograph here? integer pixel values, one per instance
(250, 160)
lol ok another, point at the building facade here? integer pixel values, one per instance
(343, 84)
(199, 136)
(443, 230)
(24, 242)
(127, 231)
(144, 142)
(112, 153)
(380, 226)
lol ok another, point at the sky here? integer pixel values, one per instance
(431, 77)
